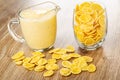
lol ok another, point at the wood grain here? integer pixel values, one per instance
(106, 58)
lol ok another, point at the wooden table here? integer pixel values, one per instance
(106, 58)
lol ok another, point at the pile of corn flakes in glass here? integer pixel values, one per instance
(72, 63)
(89, 23)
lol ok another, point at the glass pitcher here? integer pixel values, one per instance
(38, 24)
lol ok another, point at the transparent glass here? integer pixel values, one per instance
(38, 24)
(92, 36)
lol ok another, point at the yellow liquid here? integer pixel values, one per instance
(38, 28)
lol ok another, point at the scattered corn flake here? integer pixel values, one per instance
(82, 64)
(52, 61)
(42, 61)
(65, 57)
(65, 71)
(54, 50)
(39, 68)
(19, 59)
(74, 65)
(27, 59)
(66, 64)
(88, 59)
(75, 70)
(70, 48)
(35, 59)
(28, 65)
(75, 55)
(19, 62)
(38, 63)
(61, 51)
(91, 68)
(18, 55)
(85, 68)
(56, 56)
(78, 60)
(42, 55)
(48, 73)
(38, 54)
(51, 66)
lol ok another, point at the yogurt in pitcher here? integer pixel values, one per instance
(38, 27)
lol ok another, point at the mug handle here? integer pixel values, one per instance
(12, 33)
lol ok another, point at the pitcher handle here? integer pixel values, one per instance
(12, 33)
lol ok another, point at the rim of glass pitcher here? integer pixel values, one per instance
(56, 7)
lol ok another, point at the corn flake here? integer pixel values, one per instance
(52, 61)
(85, 18)
(66, 64)
(85, 4)
(87, 58)
(65, 57)
(48, 73)
(19, 59)
(27, 59)
(85, 68)
(96, 7)
(78, 60)
(65, 71)
(19, 62)
(75, 70)
(38, 54)
(42, 61)
(28, 65)
(56, 56)
(39, 68)
(77, 7)
(91, 68)
(74, 55)
(51, 66)
(89, 41)
(54, 50)
(18, 55)
(61, 51)
(35, 59)
(70, 49)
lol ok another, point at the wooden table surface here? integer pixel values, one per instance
(106, 58)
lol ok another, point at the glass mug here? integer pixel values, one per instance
(90, 36)
(38, 24)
